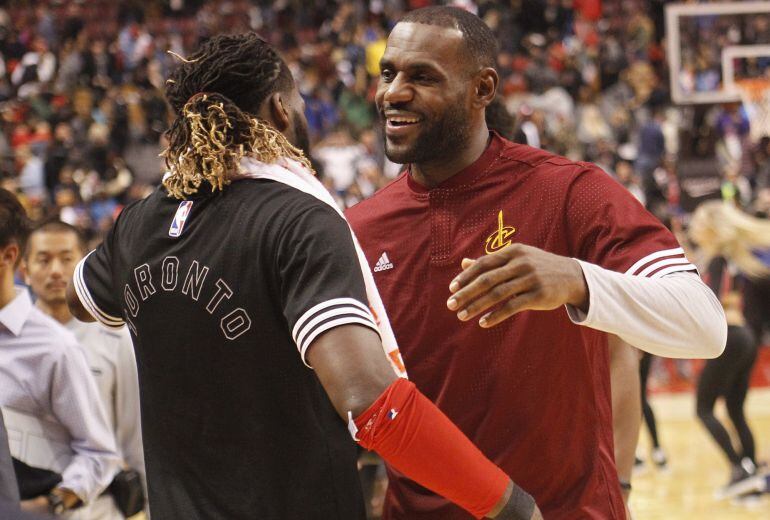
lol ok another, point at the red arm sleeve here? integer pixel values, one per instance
(412, 434)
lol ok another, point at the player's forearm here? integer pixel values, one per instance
(673, 316)
(390, 416)
(419, 441)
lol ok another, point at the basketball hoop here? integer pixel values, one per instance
(755, 95)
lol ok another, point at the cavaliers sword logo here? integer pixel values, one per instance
(500, 238)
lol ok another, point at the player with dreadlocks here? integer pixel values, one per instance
(236, 277)
(212, 133)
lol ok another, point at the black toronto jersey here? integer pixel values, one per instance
(223, 294)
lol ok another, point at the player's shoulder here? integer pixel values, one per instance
(275, 197)
(292, 206)
(385, 200)
(537, 160)
(286, 211)
(549, 169)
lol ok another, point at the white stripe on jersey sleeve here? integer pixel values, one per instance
(654, 264)
(328, 315)
(331, 313)
(681, 260)
(653, 256)
(323, 305)
(346, 320)
(88, 302)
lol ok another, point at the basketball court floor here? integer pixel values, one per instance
(686, 491)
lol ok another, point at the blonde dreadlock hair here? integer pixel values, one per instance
(213, 94)
(721, 229)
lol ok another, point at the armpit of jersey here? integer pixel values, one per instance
(81, 288)
(662, 263)
(327, 315)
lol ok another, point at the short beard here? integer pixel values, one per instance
(442, 138)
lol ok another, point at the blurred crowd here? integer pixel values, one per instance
(83, 113)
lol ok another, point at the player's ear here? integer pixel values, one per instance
(274, 110)
(486, 86)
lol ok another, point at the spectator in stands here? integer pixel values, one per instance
(652, 148)
(527, 131)
(340, 155)
(37, 68)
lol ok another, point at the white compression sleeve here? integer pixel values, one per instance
(674, 316)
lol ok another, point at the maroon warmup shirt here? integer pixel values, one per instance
(533, 393)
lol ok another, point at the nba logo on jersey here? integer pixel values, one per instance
(177, 225)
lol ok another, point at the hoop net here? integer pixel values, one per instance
(755, 95)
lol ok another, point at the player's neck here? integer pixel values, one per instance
(433, 173)
(58, 311)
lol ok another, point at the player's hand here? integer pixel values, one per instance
(516, 278)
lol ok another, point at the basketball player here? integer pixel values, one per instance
(235, 278)
(531, 388)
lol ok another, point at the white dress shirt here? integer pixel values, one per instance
(110, 354)
(44, 377)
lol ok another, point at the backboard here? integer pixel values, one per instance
(711, 45)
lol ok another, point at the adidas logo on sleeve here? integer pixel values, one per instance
(383, 264)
